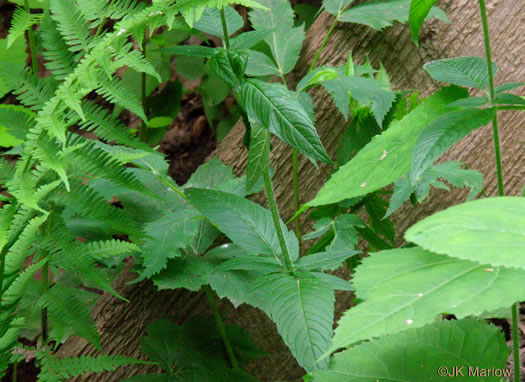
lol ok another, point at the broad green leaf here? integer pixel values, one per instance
(402, 191)
(285, 40)
(462, 71)
(249, 39)
(191, 51)
(409, 288)
(336, 6)
(490, 230)
(509, 99)
(247, 224)
(458, 177)
(188, 271)
(382, 14)
(11, 59)
(262, 264)
(302, 308)
(326, 261)
(470, 102)
(166, 237)
(279, 111)
(259, 64)
(230, 67)
(417, 354)
(217, 176)
(192, 10)
(259, 153)
(388, 156)
(319, 75)
(418, 13)
(210, 21)
(509, 86)
(442, 133)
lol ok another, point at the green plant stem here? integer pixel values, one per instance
(99, 29)
(15, 371)
(323, 44)
(276, 221)
(220, 326)
(225, 29)
(2, 270)
(296, 205)
(499, 168)
(142, 128)
(43, 317)
(31, 35)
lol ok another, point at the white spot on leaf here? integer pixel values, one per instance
(409, 322)
(420, 295)
(385, 153)
(363, 185)
(489, 269)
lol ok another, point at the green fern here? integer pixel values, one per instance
(70, 313)
(116, 92)
(16, 119)
(15, 291)
(71, 24)
(107, 126)
(65, 368)
(31, 91)
(59, 59)
(134, 59)
(22, 20)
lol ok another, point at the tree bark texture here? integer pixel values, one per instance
(122, 324)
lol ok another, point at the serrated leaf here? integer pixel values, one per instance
(279, 111)
(258, 154)
(259, 64)
(302, 308)
(210, 21)
(230, 67)
(470, 102)
(462, 71)
(249, 39)
(325, 261)
(336, 6)
(407, 288)
(382, 14)
(416, 354)
(247, 224)
(509, 99)
(217, 176)
(189, 271)
(442, 133)
(388, 156)
(165, 238)
(489, 230)
(509, 86)
(366, 91)
(285, 40)
(419, 10)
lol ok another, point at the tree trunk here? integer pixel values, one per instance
(122, 325)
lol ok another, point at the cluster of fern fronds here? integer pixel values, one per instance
(47, 200)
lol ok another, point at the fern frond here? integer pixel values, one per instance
(49, 155)
(70, 312)
(6, 217)
(71, 24)
(99, 250)
(22, 21)
(25, 188)
(87, 202)
(123, 8)
(7, 170)
(99, 163)
(134, 59)
(59, 59)
(31, 91)
(17, 288)
(16, 119)
(107, 126)
(21, 249)
(10, 337)
(116, 92)
(72, 367)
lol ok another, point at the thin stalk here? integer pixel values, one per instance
(142, 128)
(220, 326)
(225, 29)
(499, 168)
(2, 270)
(15, 371)
(99, 29)
(276, 221)
(43, 314)
(32, 43)
(295, 170)
(323, 44)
